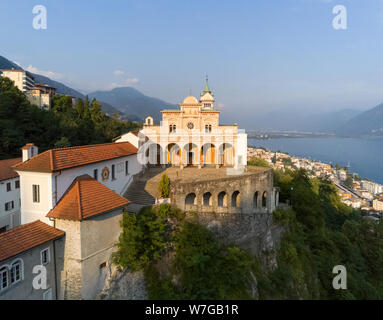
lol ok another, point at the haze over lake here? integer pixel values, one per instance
(364, 155)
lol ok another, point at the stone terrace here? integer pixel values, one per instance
(191, 175)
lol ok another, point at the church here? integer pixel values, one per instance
(191, 136)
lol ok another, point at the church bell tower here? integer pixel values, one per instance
(207, 97)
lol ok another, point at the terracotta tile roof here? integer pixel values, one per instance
(135, 132)
(25, 237)
(6, 170)
(65, 158)
(85, 198)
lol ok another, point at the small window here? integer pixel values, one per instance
(16, 272)
(9, 205)
(45, 256)
(126, 167)
(9, 187)
(95, 174)
(47, 295)
(3, 278)
(17, 184)
(113, 172)
(36, 193)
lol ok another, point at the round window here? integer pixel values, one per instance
(190, 125)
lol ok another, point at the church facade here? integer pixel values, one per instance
(193, 136)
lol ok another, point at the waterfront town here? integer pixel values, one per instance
(357, 192)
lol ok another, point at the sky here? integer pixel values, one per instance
(261, 56)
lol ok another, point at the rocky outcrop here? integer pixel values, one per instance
(124, 285)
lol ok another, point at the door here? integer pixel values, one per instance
(190, 158)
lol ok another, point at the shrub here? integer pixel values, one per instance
(255, 161)
(164, 186)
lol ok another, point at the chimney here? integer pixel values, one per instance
(29, 151)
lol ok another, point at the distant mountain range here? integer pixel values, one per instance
(303, 120)
(131, 101)
(368, 123)
(133, 105)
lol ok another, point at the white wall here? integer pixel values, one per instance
(11, 218)
(129, 137)
(32, 211)
(242, 148)
(119, 185)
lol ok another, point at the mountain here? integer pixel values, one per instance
(368, 123)
(7, 64)
(303, 120)
(131, 101)
(63, 89)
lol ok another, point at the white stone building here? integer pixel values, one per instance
(9, 195)
(24, 80)
(45, 177)
(78, 191)
(191, 136)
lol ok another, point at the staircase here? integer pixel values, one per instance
(137, 194)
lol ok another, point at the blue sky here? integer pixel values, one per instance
(260, 55)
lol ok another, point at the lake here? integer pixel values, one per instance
(365, 156)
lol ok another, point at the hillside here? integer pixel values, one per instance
(63, 89)
(131, 101)
(368, 123)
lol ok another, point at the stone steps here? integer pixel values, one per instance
(138, 196)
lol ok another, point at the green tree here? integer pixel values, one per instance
(164, 186)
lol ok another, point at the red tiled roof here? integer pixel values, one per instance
(85, 198)
(65, 158)
(26, 237)
(135, 132)
(6, 170)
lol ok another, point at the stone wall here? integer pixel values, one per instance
(243, 219)
(246, 186)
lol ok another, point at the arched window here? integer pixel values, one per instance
(3, 278)
(207, 199)
(172, 128)
(264, 199)
(190, 198)
(222, 199)
(235, 199)
(255, 199)
(16, 271)
(207, 128)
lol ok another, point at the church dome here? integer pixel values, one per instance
(190, 100)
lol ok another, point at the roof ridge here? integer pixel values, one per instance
(52, 159)
(88, 146)
(79, 199)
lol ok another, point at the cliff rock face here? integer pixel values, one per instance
(123, 285)
(254, 233)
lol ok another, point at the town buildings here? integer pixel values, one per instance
(24, 80)
(41, 95)
(38, 94)
(22, 249)
(77, 192)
